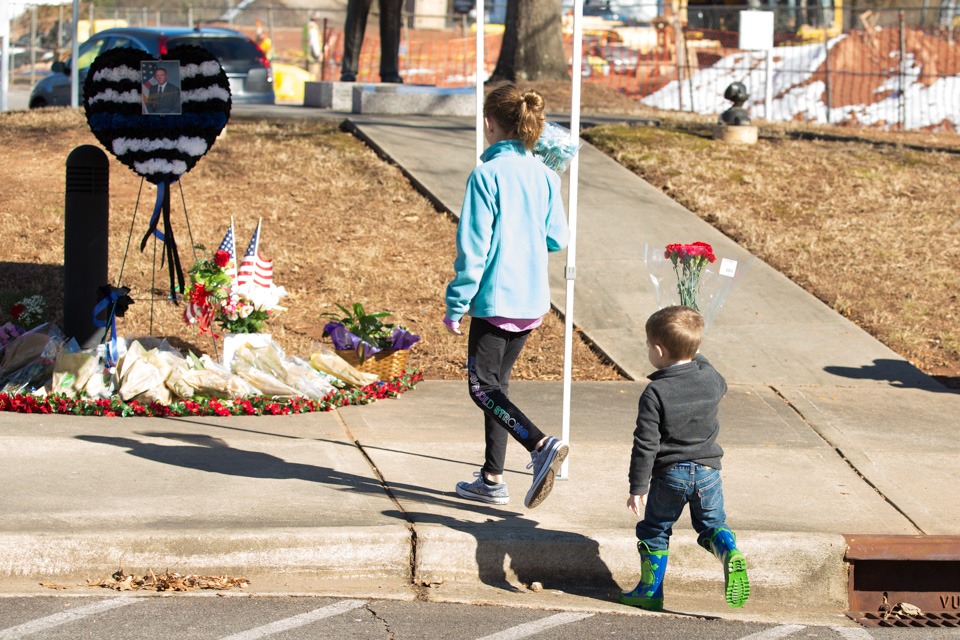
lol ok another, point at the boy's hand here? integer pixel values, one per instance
(635, 503)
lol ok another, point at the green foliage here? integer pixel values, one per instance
(366, 326)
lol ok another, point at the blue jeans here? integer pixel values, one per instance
(687, 482)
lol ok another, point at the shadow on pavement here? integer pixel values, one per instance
(211, 454)
(519, 543)
(899, 373)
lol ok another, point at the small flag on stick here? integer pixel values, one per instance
(254, 268)
(229, 244)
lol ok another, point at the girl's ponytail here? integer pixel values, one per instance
(531, 117)
(519, 112)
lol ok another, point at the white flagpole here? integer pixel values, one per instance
(256, 243)
(481, 72)
(570, 272)
(5, 59)
(75, 56)
(233, 238)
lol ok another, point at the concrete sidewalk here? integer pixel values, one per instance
(826, 432)
(863, 399)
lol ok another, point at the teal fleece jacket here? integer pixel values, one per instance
(512, 216)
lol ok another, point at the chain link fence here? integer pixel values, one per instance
(886, 68)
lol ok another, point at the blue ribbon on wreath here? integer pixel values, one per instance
(157, 207)
(115, 301)
(162, 210)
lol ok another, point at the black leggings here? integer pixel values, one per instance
(491, 353)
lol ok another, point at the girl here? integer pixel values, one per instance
(512, 215)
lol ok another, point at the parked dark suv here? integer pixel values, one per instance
(249, 72)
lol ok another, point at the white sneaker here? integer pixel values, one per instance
(545, 462)
(482, 492)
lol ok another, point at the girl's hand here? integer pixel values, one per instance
(453, 326)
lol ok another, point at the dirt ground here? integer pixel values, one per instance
(866, 220)
(341, 226)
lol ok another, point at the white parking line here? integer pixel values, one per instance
(530, 628)
(297, 621)
(774, 633)
(853, 633)
(57, 619)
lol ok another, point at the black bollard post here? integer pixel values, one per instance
(85, 241)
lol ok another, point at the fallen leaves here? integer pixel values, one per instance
(899, 610)
(430, 584)
(169, 581)
(53, 585)
(121, 581)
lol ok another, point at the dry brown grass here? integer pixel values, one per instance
(859, 218)
(870, 229)
(341, 225)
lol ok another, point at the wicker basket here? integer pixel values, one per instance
(387, 364)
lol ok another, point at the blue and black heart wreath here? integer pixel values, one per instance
(160, 148)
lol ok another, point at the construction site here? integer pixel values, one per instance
(890, 68)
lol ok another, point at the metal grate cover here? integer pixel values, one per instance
(926, 620)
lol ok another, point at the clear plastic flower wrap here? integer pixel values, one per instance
(692, 275)
(28, 360)
(557, 146)
(327, 361)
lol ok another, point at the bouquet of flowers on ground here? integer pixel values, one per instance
(557, 146)
(29, 312)
(365, 332)
(215, 296)
(8, 332)
(688, 274)
(209, 291)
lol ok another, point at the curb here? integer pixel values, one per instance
(803, 570)
(271, 554)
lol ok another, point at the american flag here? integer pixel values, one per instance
(229, 245)
(147, 69)
(254, 268)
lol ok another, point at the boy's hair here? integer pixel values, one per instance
(518, 111)
(678, 329)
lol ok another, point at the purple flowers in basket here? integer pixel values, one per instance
(343, 339)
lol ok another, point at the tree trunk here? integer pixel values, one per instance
(532, 43)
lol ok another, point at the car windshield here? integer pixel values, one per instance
(88, 55)
(96, 47)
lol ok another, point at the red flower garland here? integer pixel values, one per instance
(258, 406)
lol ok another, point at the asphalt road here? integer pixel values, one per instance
(238, 617)
(18, 97)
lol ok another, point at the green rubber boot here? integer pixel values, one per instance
(723, 544)
(648, 594)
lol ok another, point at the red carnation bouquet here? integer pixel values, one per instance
(689, 275)
(688, 263)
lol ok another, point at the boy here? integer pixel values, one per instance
(675, 442)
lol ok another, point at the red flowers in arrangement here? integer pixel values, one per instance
(688, 263)
(28, 403)
(684, 251)
(221, 258)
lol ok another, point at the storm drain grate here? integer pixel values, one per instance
(875, 619)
